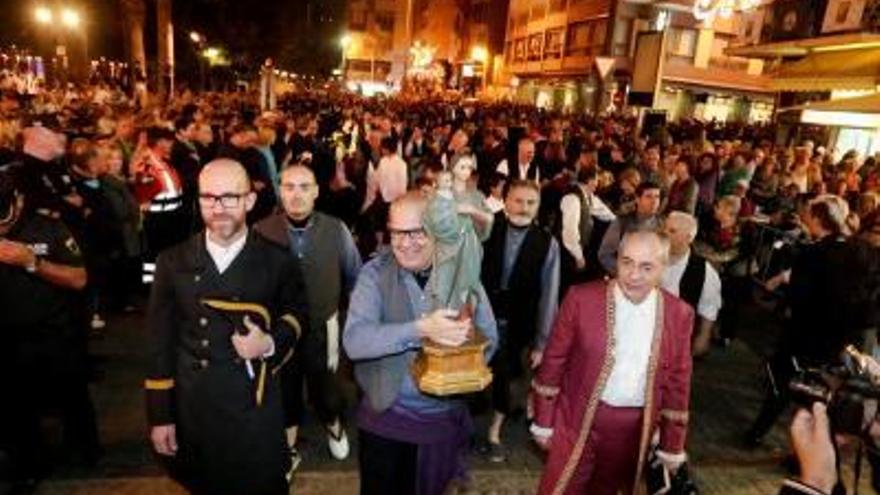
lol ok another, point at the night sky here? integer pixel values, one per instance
(302, 33)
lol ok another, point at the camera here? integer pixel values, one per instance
(847, 390)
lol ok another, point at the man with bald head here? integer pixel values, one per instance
(225, 310)
(410, 443)
(616, 370)
(326, 252)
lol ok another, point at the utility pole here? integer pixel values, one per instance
(165, 34)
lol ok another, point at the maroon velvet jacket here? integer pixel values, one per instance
(576, 365)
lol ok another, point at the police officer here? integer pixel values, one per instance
(41, 275)
(213, 399)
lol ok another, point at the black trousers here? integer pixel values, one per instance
(387, 467)
(507, 366)
(310, 369)
(48, 377)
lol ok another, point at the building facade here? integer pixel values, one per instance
(466, 36)
(822, 51)
(578, 55)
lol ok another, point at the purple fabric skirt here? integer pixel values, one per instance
(442, 440)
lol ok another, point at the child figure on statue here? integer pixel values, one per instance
(459, 221)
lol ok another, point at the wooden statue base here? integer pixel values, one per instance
(442, 370)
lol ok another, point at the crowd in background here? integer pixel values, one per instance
(123, 179)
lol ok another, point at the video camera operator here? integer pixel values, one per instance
(831, 289)
(840, 402)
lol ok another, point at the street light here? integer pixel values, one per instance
(345, 42)
(43, 15)
(199, 40)
(211, 53)
(479, 54)
(70, 18)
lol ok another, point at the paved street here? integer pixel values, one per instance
(726, 393)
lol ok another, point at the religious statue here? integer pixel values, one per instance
(459, 221)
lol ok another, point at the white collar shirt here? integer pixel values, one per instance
(633, 335)
(710, 297)
(223, 256)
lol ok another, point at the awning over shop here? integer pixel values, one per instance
(826, 71)
(861, 104)
(859, 112)
(716, 77)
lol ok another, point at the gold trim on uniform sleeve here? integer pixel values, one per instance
(240, 307)
(294, 323)
(160, 384)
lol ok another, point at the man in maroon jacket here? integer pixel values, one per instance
(617, 369)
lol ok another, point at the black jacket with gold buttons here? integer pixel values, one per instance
(193, 360)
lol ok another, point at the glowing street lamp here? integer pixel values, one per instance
(479, 54)
(211, 53)
(196, 37)
(70, 18)
(345, 41)
(43, 15)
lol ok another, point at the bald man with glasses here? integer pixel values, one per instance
(226, 308)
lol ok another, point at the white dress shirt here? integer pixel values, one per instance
(223, 256)
(710, 297)
(571, 220)
(633, 336)
(504, 169)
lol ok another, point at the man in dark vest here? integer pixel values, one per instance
(524, 165)
(692, 278)
(326, 252)
(521, 275)
(410, 443)
(583, 220)
(226, 308)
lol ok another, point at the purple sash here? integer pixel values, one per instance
(442, 440)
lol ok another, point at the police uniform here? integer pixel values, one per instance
(229, 441)
(43, 327)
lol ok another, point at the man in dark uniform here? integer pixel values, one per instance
(213, 399)
(44, 179)
(521, 276)
(41, 274)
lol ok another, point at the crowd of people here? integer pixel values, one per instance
(289, 242)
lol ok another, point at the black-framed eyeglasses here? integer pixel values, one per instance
(412, 235)
(227, 201)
